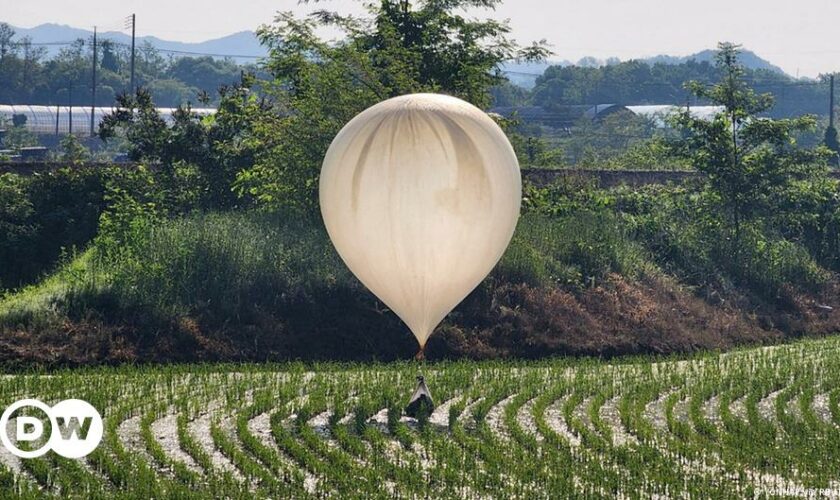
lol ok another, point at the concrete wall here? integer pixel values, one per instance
(608, 178)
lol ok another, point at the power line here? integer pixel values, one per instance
(82, 41)
(133, 19)
(507, 72)
(21, 44)
(93, 85)
(195, 53)
(187, 52)
(130, 22)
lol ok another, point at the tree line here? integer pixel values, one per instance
(29, 76)
(637, 82)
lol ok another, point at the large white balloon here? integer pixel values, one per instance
(420, 195)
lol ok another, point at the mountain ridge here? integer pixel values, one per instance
(244, 46)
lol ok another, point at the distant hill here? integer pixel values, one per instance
(748, 58)
(243, 44)
(525, 74)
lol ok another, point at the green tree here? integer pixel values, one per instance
(16, 135)
(16, 229)
(752, 163)
(72, 150)
(640, 82)
(173, 92)
(110, 57)
(150, 65)
(7, 35)
(597, 141)
(400, 47)
(210, 150)
(833, 144)
(204, 73)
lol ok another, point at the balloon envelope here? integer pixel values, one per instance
(420, 195)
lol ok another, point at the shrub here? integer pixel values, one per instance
(16, 228)
(43, 216)
(72, 150)
(677, 227)
(832, 142)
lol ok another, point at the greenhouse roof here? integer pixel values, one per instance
(56, 119)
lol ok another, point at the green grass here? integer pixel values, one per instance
(223, 261)
(571, 250)
(271, 286)
(243, 271)
(231, 264)
(46, 300)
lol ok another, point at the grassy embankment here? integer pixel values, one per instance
(605, 272)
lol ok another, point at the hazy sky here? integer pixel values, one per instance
(802, 37)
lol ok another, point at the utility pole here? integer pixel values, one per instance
(831, 102)
(93, 85)
(70, 109)
(133, 21)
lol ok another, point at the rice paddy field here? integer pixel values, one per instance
(759, 423)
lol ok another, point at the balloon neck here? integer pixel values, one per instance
(421, 354)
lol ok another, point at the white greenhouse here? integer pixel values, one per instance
(56, 120)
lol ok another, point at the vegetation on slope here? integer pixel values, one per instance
(642, 272)
(214, 248)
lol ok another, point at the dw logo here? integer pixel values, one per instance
(75, 428)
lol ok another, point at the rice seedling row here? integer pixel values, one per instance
(755, 422)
